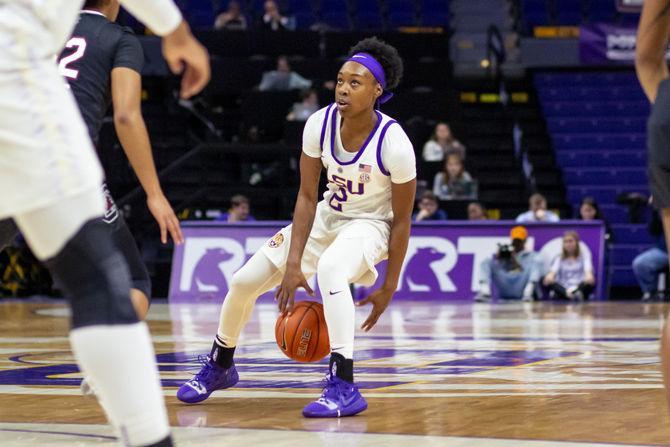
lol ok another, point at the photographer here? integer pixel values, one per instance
(513, 269)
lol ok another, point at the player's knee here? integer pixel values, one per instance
(94, 277)
(244, 280)
(327, 265)
(142, 281)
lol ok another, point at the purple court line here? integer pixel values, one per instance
(317, 430)
(63, 433)
(447, 338)
(324, 429)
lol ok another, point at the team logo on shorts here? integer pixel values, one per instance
(276, 241)
(111, 211)
(364, 177)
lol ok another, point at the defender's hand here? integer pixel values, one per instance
(293, 278)
(186, 56)
(167, 220)
(380, 300)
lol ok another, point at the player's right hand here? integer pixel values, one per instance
(285, 295)
(186, 56)
(167, 220)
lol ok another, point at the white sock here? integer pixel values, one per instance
(340, 312)
(120, 360)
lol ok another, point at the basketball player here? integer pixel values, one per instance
(50, 181)
(652, 70)
(364, 217)
(102, 63)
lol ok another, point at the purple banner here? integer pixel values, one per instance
(442, 261)
(601, 43)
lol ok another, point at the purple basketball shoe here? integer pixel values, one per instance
(211, 377)
(339, 398)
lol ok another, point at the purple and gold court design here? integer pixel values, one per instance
(434, 373)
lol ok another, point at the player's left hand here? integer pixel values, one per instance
(380, 300)
(167, 220)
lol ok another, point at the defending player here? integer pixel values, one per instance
(364, 217)
(652, 70)
(102, 63)
(50, 181)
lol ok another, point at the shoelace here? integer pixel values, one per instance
(331, 388)
(205, 371)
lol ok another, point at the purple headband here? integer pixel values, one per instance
(377, 71)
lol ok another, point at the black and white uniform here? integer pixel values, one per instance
(96, 47)
(51, 176)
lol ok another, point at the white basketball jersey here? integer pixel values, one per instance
(359, 185)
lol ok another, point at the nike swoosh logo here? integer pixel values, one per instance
(197, 387)
(358, 55)
(334, 293)
(328, 403)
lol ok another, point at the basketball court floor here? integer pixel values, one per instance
(462, 374)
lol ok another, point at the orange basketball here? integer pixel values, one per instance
(303, 336)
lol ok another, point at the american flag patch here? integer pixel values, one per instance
(364, 168)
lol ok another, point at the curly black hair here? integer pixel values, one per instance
(386, 55)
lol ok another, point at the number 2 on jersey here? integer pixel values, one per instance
(80, 44)
(346, 187)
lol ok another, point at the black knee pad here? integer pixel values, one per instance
(8, 232)
(94, 277)
(125, 242)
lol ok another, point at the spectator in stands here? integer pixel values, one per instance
(476, 211)
(283, 78)
(513, 269)
(232, 19)
(429, 208)
(537, 211)
(589, 210)
(571, 274)
(272, 18)
(652, 262)
(239, 211)
(454, 182)
(441, 144)
(305, 108)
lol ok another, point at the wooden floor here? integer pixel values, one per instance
(507, 374)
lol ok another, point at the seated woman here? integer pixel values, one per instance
(571, 274)
(589, 210)
(442, 143)
(454, 182)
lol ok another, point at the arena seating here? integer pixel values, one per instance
(598, 134)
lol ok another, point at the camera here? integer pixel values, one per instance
(505, 251)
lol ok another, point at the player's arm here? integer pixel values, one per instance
(134, 138)
(182, 51)
(303, 218)
(652, 40)
(402, 201)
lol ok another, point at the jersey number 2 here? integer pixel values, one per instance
(80, 45)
